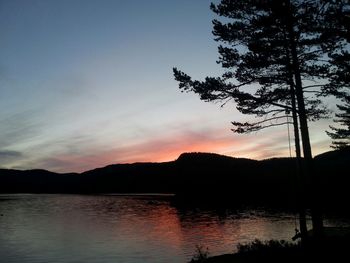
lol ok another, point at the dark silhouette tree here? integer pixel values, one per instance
(341, 135)
(339, 86)
(337, 32)
(275, 53)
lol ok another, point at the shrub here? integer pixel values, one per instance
(201, 255)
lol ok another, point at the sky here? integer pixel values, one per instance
(88, 83)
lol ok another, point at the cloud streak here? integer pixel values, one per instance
(79, 154)
(7, 156)
(84, 156)
(169, 147)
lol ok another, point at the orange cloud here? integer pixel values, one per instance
(168, 147)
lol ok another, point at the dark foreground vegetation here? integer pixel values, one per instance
(197, 179)
(332, 249)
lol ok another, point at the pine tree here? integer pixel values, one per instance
(279, 48)
(339, 74)
(341, 136)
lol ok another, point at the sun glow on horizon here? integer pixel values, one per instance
(102, 91)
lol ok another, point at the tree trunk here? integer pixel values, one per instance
(317, 221)
(300, 176)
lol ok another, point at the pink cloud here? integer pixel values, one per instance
(169, 147)
(166, 148)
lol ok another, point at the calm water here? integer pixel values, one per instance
(130, 229)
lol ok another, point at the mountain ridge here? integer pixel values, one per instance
(184, 155)
(198, 178)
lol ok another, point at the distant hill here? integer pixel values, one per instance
(197, 179)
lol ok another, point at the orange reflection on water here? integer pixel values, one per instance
(128, 228)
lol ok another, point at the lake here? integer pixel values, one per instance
(126, 228)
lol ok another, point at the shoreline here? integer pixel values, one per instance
(333, 246)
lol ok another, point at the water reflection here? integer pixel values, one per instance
(75, 228)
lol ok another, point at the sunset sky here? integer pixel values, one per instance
(87, 83)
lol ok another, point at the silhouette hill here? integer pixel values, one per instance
(196, 179)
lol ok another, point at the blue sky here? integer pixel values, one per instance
(87, 83)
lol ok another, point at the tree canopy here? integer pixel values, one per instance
(255, 52)
(341, 135)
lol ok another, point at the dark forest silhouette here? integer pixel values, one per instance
(197, 179)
